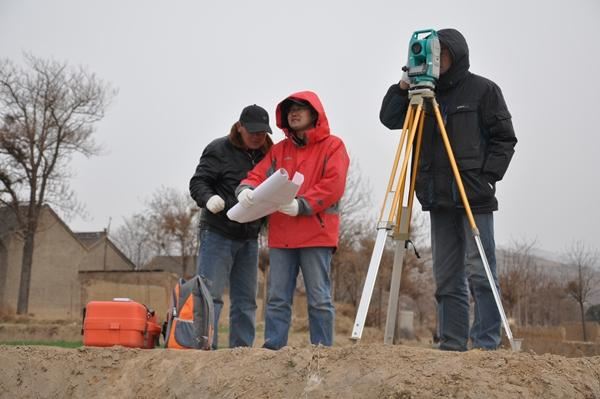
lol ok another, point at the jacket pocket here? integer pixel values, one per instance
(320, 220)
(464, 130)
(479, 191)
(424, 187)
(499, 116)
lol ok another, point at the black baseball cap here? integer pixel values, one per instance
(255, 119)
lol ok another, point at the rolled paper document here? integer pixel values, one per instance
(277, 190)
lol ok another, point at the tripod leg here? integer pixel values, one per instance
(497, 298)
(399, 251)
(474, 228)
(401, 235)
(399, 195)
(365, 299)
(407, 122)
(415, 167)
(410, 121)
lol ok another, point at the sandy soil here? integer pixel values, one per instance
(348, 370)
(358, 371)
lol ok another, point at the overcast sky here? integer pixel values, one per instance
(185, 69)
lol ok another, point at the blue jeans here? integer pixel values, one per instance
(285, 264)
(222, 260)
(458, 269)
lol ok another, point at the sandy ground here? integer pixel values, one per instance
(368, 369)
(357, 371)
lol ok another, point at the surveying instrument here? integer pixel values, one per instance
(423, 70)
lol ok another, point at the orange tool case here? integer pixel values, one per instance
(120, 322)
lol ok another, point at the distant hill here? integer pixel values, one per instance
(552, 264)
(550, 261)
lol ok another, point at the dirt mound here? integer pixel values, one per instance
(360, 371)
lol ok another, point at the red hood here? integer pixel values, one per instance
(321, 129)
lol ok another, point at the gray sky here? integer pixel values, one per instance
(185, 69)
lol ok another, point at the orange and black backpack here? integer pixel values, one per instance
(190, 317)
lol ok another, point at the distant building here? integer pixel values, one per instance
(58, 258)
(103, 254)
(182, 266)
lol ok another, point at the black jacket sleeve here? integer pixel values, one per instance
(393, 107)
(501, 135)
(202, 184)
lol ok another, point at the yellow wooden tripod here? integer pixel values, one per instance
(397, 222)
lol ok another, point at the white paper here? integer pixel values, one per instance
(277, 190)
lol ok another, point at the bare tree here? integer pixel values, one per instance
(167, 226)
(357, 226)
(586, 279)
(173, 213)
(532, 287)
(549, 305)
(518, 275)
(356, 211)
(136, 238)
(48, 113)
(352, 263)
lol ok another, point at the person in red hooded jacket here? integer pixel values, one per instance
(304, 233)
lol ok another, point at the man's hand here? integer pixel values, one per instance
(290, 209)
(215, 204)
(490, 181)
(246, 198)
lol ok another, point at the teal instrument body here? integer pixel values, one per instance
(424, 58)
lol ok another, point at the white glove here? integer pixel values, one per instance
(215, 204)
(246, 198)
(290, 209)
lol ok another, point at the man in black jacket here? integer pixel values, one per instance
(482, 137)
(229, 250)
